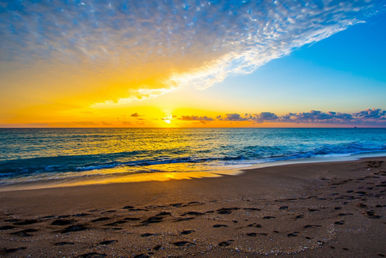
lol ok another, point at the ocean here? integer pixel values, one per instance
(66, 156)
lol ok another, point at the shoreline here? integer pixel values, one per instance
(311, 210)
(166, 176)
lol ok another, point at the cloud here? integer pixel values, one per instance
(196, 118)
(266, 116)
(369, 116)
(136, 95)
(157, 46)
(314, 116)
(233, 117)
(271, 31)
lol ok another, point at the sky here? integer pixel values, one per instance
(192, 63)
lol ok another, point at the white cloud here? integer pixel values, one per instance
(200, 44)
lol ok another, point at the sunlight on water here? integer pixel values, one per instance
(158, 176)
(97, 156)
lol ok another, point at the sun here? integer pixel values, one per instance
(168, 119)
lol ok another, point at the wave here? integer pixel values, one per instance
(228, 155)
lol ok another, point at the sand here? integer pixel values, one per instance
(334, 209)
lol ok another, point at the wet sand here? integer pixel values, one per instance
(334, 209)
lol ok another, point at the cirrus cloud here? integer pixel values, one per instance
(157, 46)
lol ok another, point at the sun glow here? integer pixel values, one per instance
(168, 119)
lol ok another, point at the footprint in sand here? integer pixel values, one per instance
(63, 222)
(293, 234)
(345, 214)
(5, 251)
(362, 193)
(116, 223)
(148, 234)
(187, 232)
(6, 227)
(107, 242)
(225, 243)
(192, 213)
(183, 243)
(312, 226)
(251, 209)
(371, 214)
(226, 211)
(164, 213)
(63, 243)
(157, 247)
(220, 226)
(132, 208)
(74, 228)
(25, 232)
(253, 234)
(153, 219)
(255, 225)
(26, 222)
(100, 219)
(81, 215)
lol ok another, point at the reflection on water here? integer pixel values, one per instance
(158, 176)
(85, 156)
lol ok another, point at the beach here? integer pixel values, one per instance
(329, 209)
(192, 128)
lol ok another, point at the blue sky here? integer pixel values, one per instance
(345, 72)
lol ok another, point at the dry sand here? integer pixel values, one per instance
(335, 209)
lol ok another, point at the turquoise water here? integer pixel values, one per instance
(34, 155)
